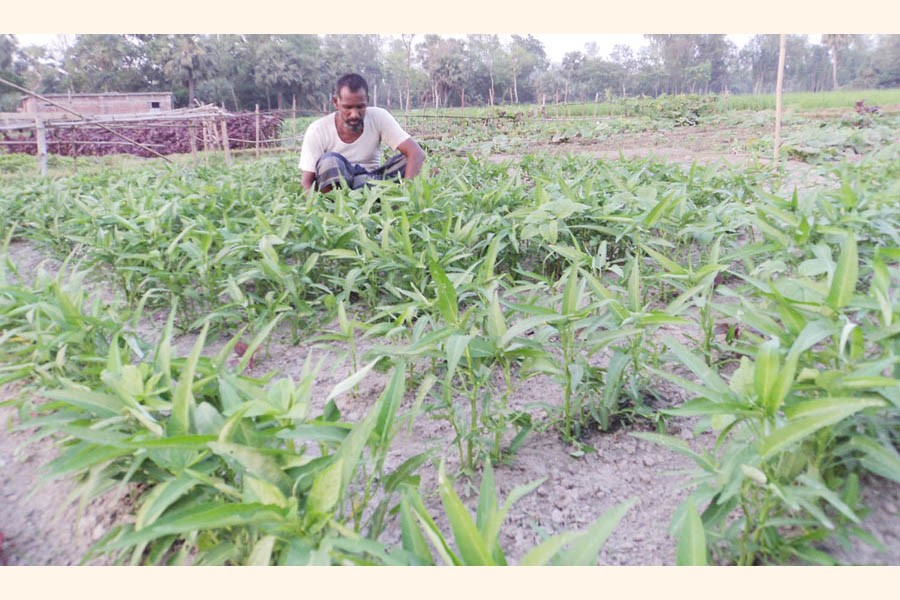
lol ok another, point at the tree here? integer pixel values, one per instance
(41, 71)
(186, 59)
(10, 66)
(835, 42)
(526, 56)
(407, 40)
(886, 61)
(718, 52)
(623, 56)
(676, 53)
(106, 63)
(486, 52)
(443, 60)
(229, 73)
(288, 64)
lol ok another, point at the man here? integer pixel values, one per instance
(344, 146)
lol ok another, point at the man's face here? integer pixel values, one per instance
(351, 108)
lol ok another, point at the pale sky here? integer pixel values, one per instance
(556, 45)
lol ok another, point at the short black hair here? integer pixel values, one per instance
(351, 81)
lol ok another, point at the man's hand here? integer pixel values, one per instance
(415, 156)
(308, 180)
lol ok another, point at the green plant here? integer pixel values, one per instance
(477, 542)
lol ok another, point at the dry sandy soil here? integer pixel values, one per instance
(40, 526)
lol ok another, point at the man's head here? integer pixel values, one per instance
(351, 96)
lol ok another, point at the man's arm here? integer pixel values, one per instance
(308, 180)
(415, 156)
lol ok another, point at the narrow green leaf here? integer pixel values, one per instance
(326, 488)
(254, 462)
(692, 538)
(709, 377)
(202, 517)
(487, 498)
(455, 347)
(446, 294)
(261, 556)
(571, 298)
(808, 417)
(183, 397)
(255, 343)
(585, 549)
(634, 285)
(429, 528)
(160, 498)
(765, 373)
(543, 553)
(472, 549)
(881, 460)
(496, 324)
(843, 283)
(412, 538)
(348, 383)
(391, 399)
(102, 405)
(676, 445)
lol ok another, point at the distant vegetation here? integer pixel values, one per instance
(287, 71)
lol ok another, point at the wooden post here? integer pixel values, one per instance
(192, 134)
(74, 131)
(41, 134)
(293, 106)
(257, 130)
(778, 87)
(225, 145)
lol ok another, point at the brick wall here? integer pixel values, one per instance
(100, 104)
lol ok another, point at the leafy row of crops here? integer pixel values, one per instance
(463, 286)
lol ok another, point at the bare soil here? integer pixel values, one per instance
(40, 526)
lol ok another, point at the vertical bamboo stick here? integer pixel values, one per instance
(41, 134)
(192, 134)
(225, 145)
(257, 129)
(778, 88)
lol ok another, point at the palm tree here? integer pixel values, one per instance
(186, 59)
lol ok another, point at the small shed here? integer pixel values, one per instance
(111, 103)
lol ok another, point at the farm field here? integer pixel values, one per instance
(624, 340)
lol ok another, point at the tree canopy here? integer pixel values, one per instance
(282, 71)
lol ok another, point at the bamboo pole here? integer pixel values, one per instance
(257, 128)
(225, 145)
(192, 135)
(41, 134)
(778, 89)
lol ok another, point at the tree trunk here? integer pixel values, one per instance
(491, 91)
(778, 87)
(834, 66)
(280, 97)
(190, 89)
(515, 87)
(237, 105)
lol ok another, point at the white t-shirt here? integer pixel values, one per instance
(379, 126)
